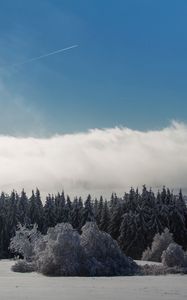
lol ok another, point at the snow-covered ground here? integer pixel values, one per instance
(32, 286)
(143, 263)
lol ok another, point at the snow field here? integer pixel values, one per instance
(32, 286)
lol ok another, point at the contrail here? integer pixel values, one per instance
(44, 55)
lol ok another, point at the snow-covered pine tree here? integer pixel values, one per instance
(131, 201)
(115, 220)
(177, 220)
(4, 234)
(36, 209)
(23, 209)
(49, 213)
(148, 217)
(12, 214)
(95, 207)
(87, 211)
(131, 238)
(67, 210)
(59, 207)
(99, 211)
(105, 217)
(113, 202)
(163, 208)
(76, 214)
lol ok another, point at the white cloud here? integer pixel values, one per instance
(99, 161)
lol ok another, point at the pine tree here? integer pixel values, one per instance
(131, 201)
(177, 220)
(67, 210)
(147, 216)
(3, 226)
(99, 211)
(87, 212)
(76, 214)
(36, 210)
(96, 208)
(113, 202)
(129, 236)
(12, 217)
(163, 208)
(23, 209)
(105, 218)
(115, 221)
(60, 207)
(49, 213)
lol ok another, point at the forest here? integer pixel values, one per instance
(131, 220)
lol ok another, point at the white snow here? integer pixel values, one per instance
(144, 262)
(32, 286)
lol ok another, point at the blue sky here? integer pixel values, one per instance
(130, 68)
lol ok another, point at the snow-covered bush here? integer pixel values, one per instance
(24, 241)
(64, 252)
(155, 270)
(104, 255)
(159, 244)
(174, 256)
(23, 266)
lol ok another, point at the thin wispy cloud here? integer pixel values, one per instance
(98, 161)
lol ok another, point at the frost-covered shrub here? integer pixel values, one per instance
(23, 266)
(159, 244)
(161, 270)
(174, 256)
(104, 254)
(24, 241)
(64, 252)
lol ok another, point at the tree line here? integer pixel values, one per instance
(132, 220)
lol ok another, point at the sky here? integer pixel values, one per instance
(128, 75)
(129, 69)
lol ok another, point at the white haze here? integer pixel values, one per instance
(99, 161)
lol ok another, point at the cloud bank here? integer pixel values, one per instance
(98, 161)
